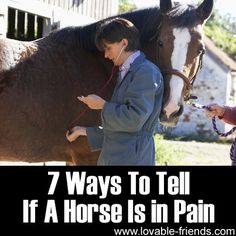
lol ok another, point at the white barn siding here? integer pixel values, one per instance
(60, 13)
(3, 18)
(103, 8)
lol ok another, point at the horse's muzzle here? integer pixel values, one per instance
(173, 119)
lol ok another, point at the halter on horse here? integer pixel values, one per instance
(183, 43)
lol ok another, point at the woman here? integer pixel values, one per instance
(129, 119)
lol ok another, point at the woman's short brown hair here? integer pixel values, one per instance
(116, 29)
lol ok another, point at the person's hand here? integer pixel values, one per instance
(75, 132)
(215, 110)
(93, 101)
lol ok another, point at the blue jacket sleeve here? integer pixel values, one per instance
(138, 102)
(95, 138)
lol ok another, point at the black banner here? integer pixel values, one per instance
(118, 200)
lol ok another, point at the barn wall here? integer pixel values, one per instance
(59, 13)
(96, 9)
(3, 18)
(231, 99)
(80, 12)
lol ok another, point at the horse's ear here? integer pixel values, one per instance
(205, 9)
(165, 6)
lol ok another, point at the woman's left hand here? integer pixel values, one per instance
(215, 110)
(75, 132)
(93, 101)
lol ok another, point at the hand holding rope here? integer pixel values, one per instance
(232, 149)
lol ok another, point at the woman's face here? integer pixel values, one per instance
(115, 52)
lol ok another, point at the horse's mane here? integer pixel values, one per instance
(183, 15)
(146, 20)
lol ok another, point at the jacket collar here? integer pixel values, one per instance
(139, 60)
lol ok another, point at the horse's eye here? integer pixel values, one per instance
(160, 43)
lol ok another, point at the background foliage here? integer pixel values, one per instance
(222, 31)
(126, 5)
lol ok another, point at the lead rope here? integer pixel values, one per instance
(232, 148)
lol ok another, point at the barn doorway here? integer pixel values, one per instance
(24, 26)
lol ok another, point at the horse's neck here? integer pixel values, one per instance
(149, 48)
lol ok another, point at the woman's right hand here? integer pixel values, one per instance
(215, 110)
(75, 132)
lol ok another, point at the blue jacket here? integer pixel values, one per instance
(129, 119)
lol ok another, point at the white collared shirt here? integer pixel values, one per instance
(126, 65)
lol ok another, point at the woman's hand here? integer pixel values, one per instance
(215, 110)
(93, 101)
(75, 132)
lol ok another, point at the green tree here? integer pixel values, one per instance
(221, 30)
(126, 5)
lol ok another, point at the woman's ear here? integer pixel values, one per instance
(125, 42)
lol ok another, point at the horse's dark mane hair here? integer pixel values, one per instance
(146, 20)
(183, 15)
(82, 36)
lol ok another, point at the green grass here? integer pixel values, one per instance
(165, 153)
(169, 152)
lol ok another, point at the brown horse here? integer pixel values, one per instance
(40, 80)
